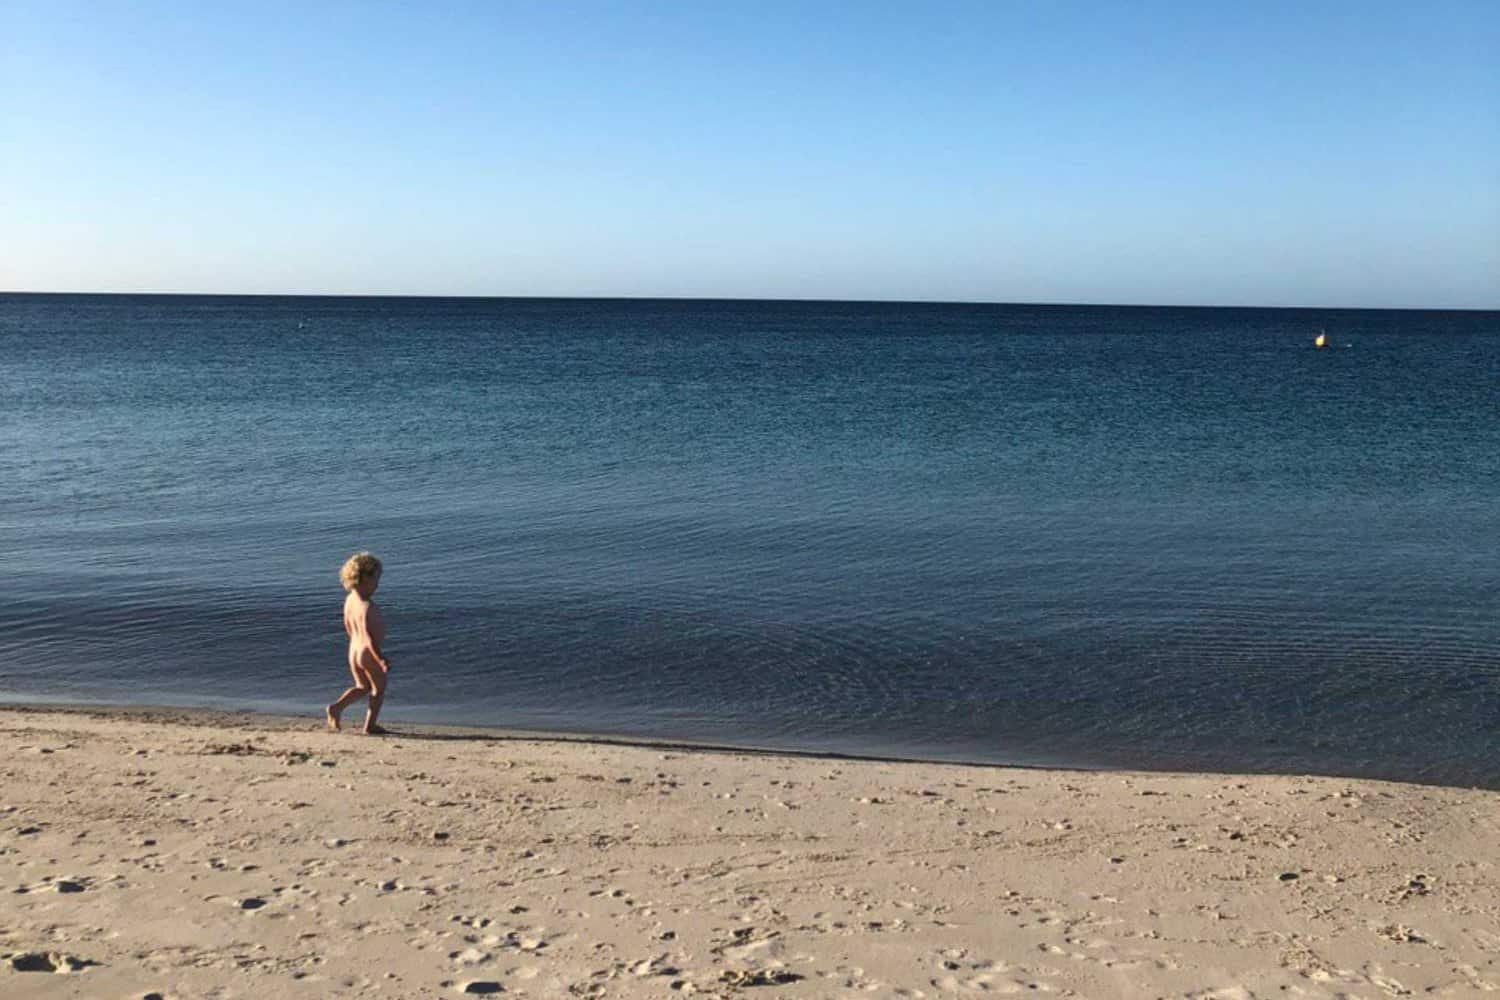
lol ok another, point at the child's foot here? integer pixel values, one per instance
(333, 718)
(373, 730)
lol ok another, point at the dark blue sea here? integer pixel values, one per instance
(1092, 536)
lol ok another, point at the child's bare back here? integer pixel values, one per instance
(366, 630)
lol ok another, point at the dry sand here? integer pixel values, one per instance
(195, 855)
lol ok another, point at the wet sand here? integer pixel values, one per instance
(194, 854)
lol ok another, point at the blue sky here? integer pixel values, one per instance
(1319, 153)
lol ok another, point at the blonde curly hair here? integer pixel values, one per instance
(360, 566)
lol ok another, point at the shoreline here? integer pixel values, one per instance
(280, 720)
(169, 851)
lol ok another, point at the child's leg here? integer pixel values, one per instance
(379, 682)
(349, 697)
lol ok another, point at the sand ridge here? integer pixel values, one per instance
(199, 855)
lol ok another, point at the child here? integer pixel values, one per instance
(360, 577)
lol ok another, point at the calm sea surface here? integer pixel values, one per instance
(1093, 536)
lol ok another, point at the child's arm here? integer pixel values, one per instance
(375, 632)
(380, 658)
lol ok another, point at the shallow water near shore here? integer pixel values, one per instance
(1085, 536)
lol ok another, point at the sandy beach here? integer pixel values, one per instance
(175, 854)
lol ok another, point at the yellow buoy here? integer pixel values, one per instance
(1322, 340)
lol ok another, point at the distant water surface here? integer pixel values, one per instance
(1088, 536)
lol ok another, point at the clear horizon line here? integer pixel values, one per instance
(732, 298)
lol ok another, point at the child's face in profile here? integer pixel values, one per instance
(369, 585)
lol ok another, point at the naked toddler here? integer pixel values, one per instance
(362, 621)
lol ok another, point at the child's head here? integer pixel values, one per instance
(360, 568)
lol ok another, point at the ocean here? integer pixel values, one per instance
(1046, 535)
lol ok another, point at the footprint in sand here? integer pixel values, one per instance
(48, 961)
(985, 976)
